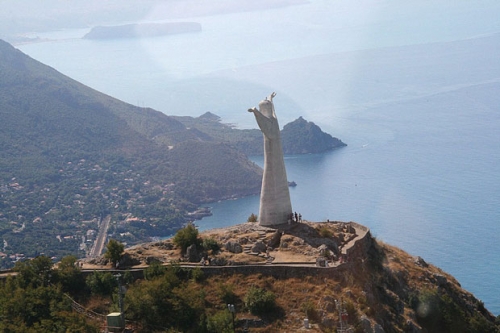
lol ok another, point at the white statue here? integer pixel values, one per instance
(275, 205)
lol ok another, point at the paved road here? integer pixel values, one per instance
(101, 238)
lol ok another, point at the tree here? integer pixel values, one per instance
(252, 218)
(69, 275)
(220, 322)
(259, 301)
(36, 272)
(154, 270)
(101, 283)
(165, 302)
(114, 251)
(34, 307)
(211, 244)
(186, 237)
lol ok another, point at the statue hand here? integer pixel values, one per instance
(254, 109)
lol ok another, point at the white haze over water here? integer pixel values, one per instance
(411, 86)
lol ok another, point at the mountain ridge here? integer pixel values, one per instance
(83, 154)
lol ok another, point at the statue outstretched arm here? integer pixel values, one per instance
(266, 117)
(268, 126)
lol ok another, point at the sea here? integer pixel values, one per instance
(412, 87)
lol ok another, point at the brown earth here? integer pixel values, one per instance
(379, 286)
(299, 244)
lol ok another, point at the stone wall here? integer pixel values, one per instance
(279, 271)
(361, 244)
(356, 249)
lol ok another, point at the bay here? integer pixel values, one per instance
(411, 87)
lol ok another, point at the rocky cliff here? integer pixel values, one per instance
(331, 273)
(304, 137)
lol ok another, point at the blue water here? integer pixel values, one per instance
(412, 87)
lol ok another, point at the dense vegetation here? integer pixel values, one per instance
(35, 299)
(71, 156)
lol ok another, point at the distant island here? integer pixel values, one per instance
(138, 30)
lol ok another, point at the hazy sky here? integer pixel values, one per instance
(17, 17)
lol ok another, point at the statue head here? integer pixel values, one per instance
(266, 107)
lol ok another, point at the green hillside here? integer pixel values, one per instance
(71, 155)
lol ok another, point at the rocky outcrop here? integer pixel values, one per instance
(192, 254)
(128, 261)
(259, 247)
(303, 137)
(233, 247)
(275, 240)
(369, 327)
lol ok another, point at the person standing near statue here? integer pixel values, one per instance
(275, 205)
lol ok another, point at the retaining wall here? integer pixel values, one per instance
(357, 250)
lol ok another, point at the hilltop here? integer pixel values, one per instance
(311, 268)
(72, 156)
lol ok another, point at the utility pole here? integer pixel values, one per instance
(231, 309)
(342, 316)
(120, 298)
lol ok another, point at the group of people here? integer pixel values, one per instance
(294, 217)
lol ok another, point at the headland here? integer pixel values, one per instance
(319, 271)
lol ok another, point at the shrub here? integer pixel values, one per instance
(310, 311)
(69, 275)
(259, 301)
(114, 251)
(128, 278)
(226, 293)
(211, 244)
(186, 237)
(165, 302)
(220, 322)
(154, 270)
(352, 313)
(101, 283)
(479, 324)
(197, 274)
(252, 218)
(35, 272)
(325, 232)
(439, 313)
